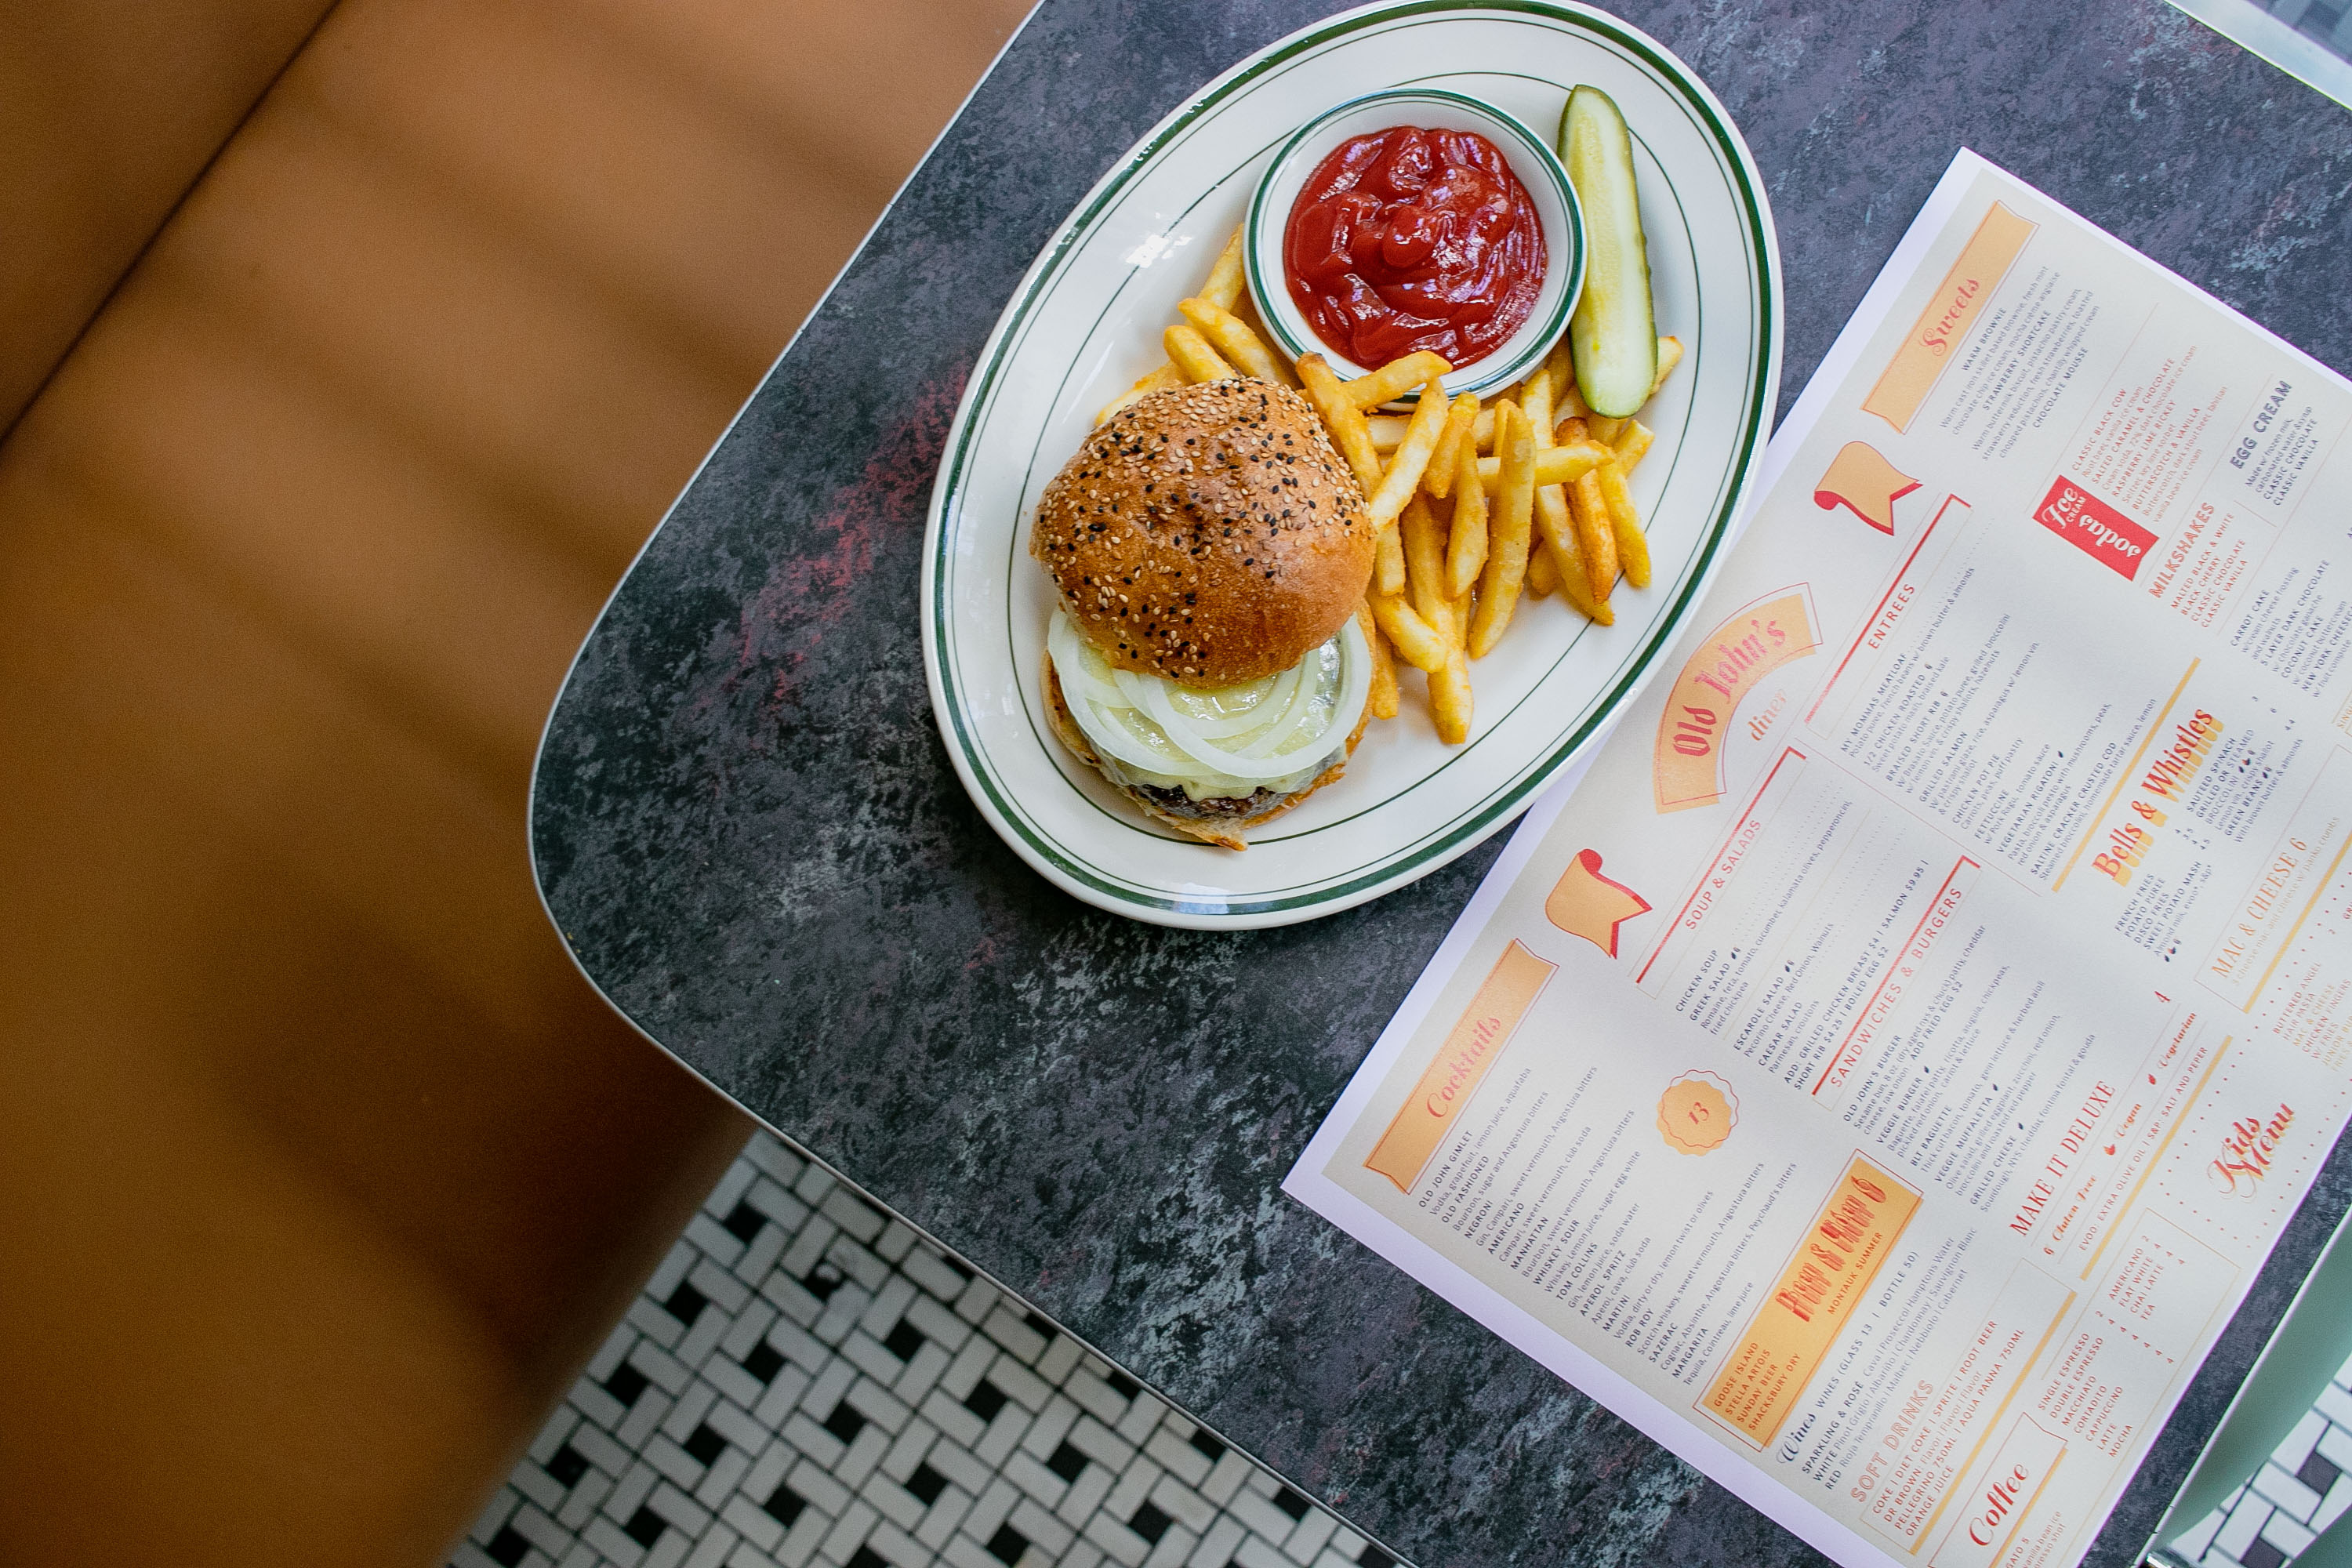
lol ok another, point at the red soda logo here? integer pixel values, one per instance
(2094, 527)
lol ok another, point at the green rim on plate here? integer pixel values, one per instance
(947, 550)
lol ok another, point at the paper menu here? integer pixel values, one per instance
(1881, 1076)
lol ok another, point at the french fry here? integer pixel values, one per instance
(1449, 698)
(1464, 607)
(1388, 429)
(1402, 480)
(1465, 547)
(1556, 532)
(1194, 356)
(1605, 430)
(1632, 545)
(1461, 421)
(1571, 405)
(1598, 611)
(1382, 701)
(1535, 401)
(1415, 640)
(1559, 365)
(1560, 466)
(1425, 565)
(1633, 445)
(1159, 380)
(1507, 549)
(1670, 354)
(1396, 378)
(1543, 576)
(1551, 554)
(1562, 544)
(1342, 419)
(1555, 528)
(1594, 535)
(1549, 566)
(1388, 566)
(1223, 287)
(1482, 434)
(1232, 336)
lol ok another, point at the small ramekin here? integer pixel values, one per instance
(1530, 158)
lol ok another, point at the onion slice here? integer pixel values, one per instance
(1267, 729)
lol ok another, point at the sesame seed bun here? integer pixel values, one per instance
(1208, 534)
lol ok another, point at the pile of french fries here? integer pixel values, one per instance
(1474, 502)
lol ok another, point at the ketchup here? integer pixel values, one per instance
(1414, 239)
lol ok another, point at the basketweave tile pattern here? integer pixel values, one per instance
(807, 1382)
(2302, 1489)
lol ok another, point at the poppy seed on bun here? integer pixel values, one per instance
(1208, 534)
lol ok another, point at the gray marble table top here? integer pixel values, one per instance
(746, 827)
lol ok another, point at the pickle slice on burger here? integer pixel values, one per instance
(1211, 550)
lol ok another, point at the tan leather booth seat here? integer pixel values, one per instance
(351, 353)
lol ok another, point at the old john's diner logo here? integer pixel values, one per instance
(2247, 1150)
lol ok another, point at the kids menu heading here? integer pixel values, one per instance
(1883, 1076)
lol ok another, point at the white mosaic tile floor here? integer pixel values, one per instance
(806, 1381)
(2305, 1487)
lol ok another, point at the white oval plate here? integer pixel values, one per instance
(1087, 321)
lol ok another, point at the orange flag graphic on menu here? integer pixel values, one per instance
(1587, 904)
(1862, 481)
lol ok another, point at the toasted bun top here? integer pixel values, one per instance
(1207, 533)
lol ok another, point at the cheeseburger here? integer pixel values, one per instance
(1211, 550)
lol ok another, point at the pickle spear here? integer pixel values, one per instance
(1615, 333)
